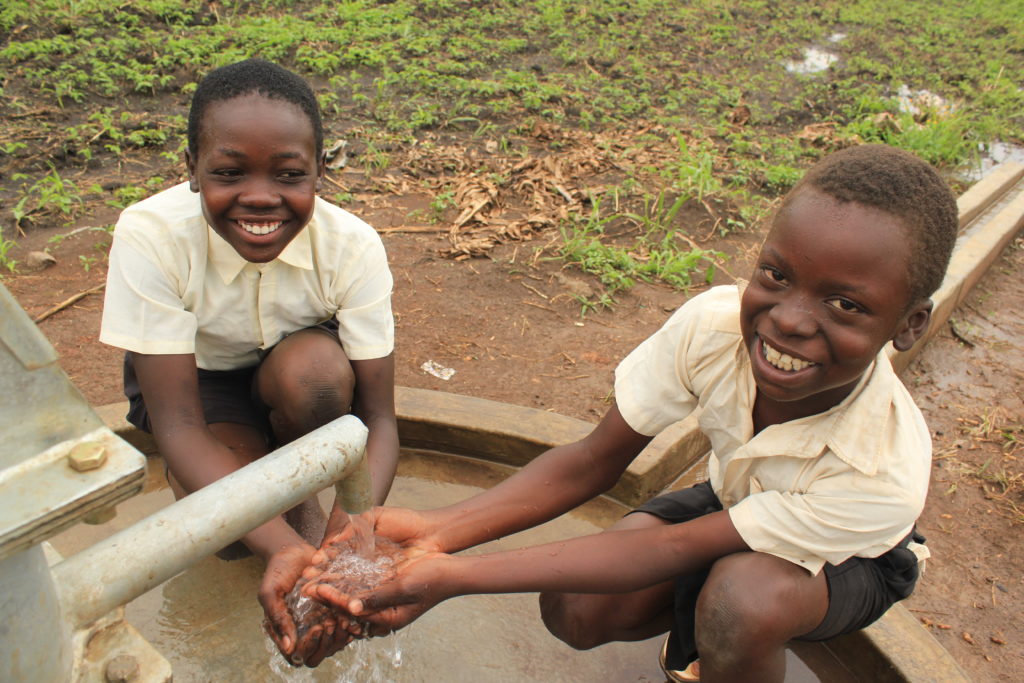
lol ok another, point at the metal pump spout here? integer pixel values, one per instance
(124, 566)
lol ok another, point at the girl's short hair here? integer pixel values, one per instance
(253, 76)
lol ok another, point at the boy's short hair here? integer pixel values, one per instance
(901, 184)
(253, 76)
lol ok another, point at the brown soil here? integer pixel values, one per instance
(510, 326)
(969, 382)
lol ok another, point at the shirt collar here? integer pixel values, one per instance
(228, 263)
(853, 444)
(840, 429)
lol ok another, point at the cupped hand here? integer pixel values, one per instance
(283, 569)
(420, 582)
(328, 635)
(405, 527)
(331, 630)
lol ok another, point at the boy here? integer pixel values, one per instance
(251, 310)
(820, 459)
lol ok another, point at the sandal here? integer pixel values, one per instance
(691, 674)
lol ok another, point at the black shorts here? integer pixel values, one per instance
(226, 395)
(860, 590)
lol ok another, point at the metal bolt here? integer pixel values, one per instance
(122, 668)
(87, 455)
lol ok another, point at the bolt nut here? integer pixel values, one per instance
(87, 456)
(122, 668)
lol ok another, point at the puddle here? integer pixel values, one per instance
(814, 61)
(916, 102)
(990, 156)
(207, 623)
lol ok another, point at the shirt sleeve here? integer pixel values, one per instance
(366, 326)
(142, 310)
(652, 386)
(838, 517)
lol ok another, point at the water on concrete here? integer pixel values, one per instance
(207, 623)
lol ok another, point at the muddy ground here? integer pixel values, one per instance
(510, 326)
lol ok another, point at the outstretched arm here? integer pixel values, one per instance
(553, 483)
(610, 562)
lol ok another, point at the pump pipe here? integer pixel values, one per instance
(119, 569)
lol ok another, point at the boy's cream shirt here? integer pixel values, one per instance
(849, 481)
(174, 286)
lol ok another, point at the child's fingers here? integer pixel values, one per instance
(331, 548)
(280, 627)
(381, 623)
(307, 646)
(380, 598)
(326, 593)
(346, 608)
(309, 588)
(390, 619)
(310, 573)
(331, 640)
(282, 641)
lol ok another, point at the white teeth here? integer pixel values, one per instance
(784, 361)
(260, 228)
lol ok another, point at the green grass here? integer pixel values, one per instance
(656, 254)
(112, 81)
(597, 62)
(6, 261)
(51, 194)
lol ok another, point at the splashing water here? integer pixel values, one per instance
(357, 564)
(363, 661)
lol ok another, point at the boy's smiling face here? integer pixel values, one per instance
(256, 171)
(830, 288)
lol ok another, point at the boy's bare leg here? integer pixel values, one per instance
(751, 605)
(306, 382)
(586, 620)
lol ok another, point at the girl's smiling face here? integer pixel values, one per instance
(830, 289)
(256, 171)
